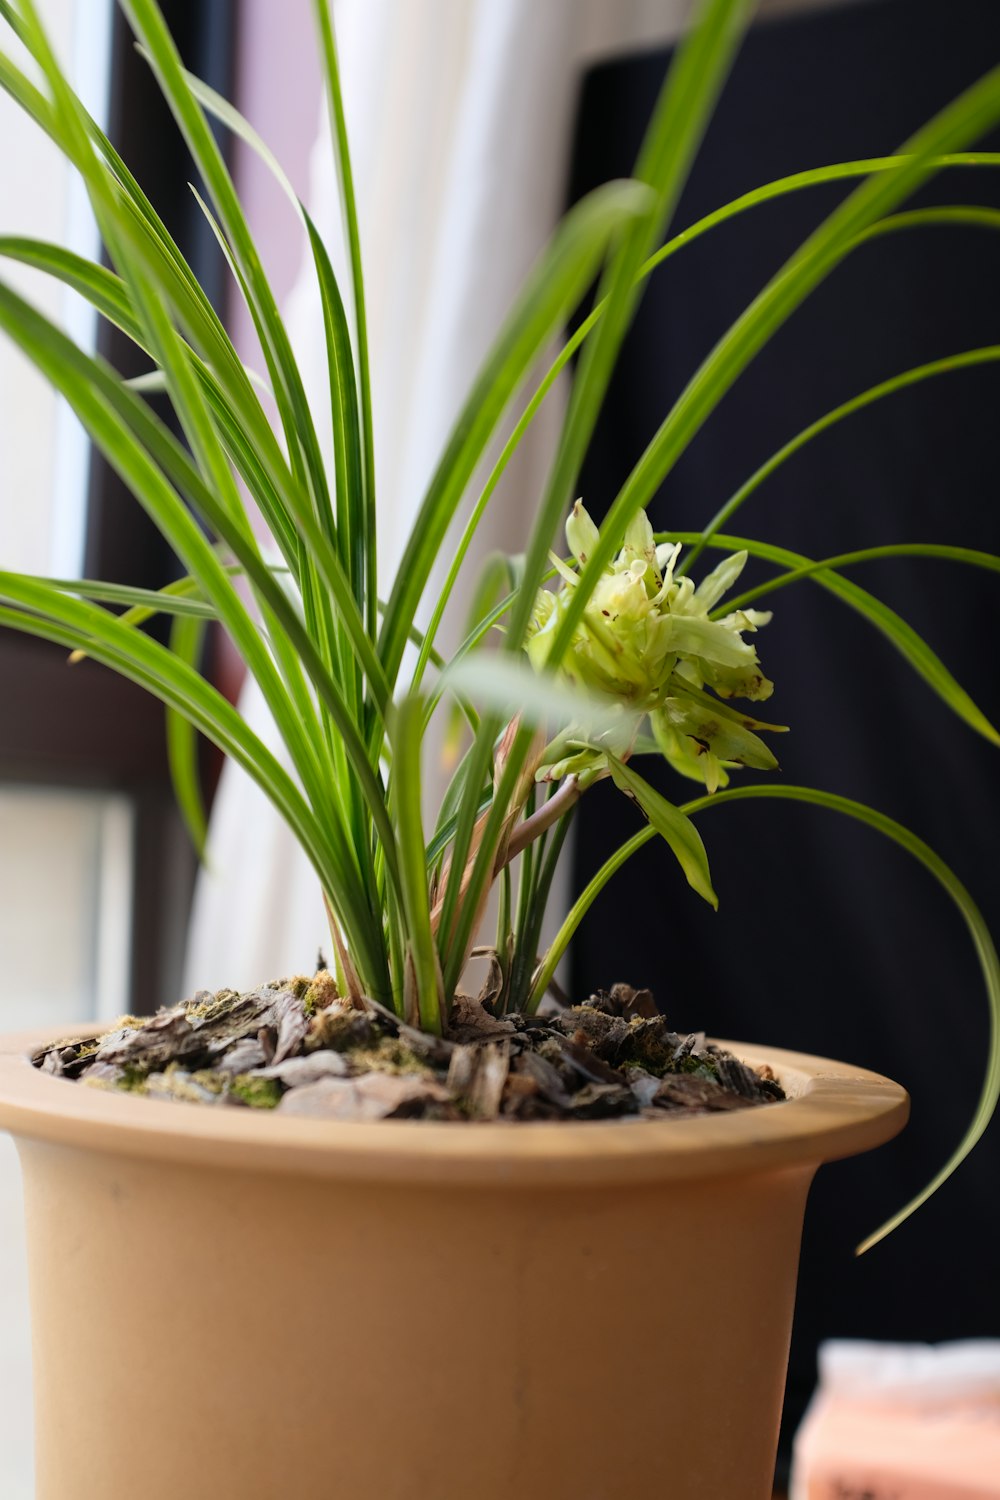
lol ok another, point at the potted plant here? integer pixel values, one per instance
(390, 1299)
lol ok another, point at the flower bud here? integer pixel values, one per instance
(581, 533)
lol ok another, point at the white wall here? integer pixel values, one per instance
(65, 888)
(65, 884)
(43, 452)
(65, 859)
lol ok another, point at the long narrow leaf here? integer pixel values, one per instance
(679, 119)
(148, 237)
(680, 116)
(49, 350)
(317, 604)
(796, 183)
(320, 564)
(471, 887)
(530, 920)
(220, 109)
(969, 359)
(672, 825)
(342, 157)
(75, 625)
(147, 21)
(350, 531)
(885, 620)
(970, 115)
(180, 598)
(972, 917)
(186, 640)
(969, 556)
(132, 654)
(581, 906)
(406, 732)
(555, 287)
(513, 688)
(189, 402)
(562, 275)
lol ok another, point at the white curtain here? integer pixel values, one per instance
(459, 114)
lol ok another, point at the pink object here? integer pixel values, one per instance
(902, 1422)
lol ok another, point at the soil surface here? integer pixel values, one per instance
(298, 1047)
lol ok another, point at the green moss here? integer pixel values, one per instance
(88, 1046)
(645, 1047)
(133, 1078)
(207, 1078)
(390, 1055)
(699, 1067)
(592, 1026)
(212, 1009)
(259, 1093)
(88, 1081)
(176, 1082)
(319, 992)
(340, 1028)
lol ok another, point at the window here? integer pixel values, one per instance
(94, 743)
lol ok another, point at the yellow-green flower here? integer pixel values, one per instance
(648, 640)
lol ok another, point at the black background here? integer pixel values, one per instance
(828, 938)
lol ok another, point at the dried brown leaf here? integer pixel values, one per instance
(469, 1022)
(493, 983)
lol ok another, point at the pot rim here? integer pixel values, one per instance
(833, 1110)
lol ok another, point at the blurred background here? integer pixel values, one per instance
(474, 123)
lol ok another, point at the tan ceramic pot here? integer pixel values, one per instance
(227, 1304)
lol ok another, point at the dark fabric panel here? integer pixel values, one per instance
(828, 939)
(122, 543)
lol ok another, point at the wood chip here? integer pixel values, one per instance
(242, 1057)
(588, 1064)
(462, 1068)
(102, 1075)
(546, 1079)
(486, 1091)
(610, 1058)
(735, 1075)
(372, 1096)
(601, 1101)
(645, 1086)
(630, 1002)
(293, 1023)
(688, 1091)
(300, 1072)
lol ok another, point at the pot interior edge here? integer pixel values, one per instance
(833, 1110)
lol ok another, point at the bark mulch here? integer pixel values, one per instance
(298, 1047)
